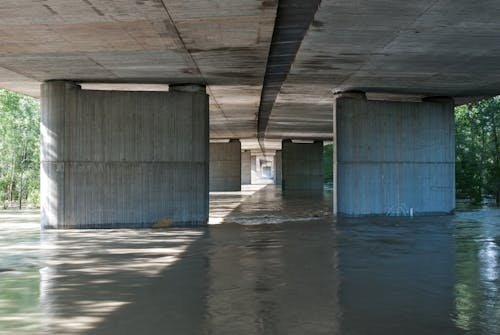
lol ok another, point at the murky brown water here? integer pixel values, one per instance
(277, 266)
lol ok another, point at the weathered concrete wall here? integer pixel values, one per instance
(277, 168)
(302, 166)
(394, 157)
(246, 172)
(115, 159)
(225, 166)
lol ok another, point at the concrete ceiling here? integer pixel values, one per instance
(414, 48)
(423, 48)
(221, 43)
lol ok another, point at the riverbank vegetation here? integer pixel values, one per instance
(19, 150)
(477, 138)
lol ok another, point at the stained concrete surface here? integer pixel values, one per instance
(246, 170)
(223, 44)
(418, 49)
(415, 48)
(393, 158)
(302, 167)
(114, 159)
(279, 265)
(225, 166)
(278, 167)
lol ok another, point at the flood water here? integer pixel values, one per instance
(275, 266)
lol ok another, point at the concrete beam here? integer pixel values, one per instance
(293, 19)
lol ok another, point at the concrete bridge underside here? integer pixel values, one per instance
(270, 70)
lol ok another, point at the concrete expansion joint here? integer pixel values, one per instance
(439, 99)
(124, 161)
(410, 162)
(190, 88)
(69, 84)
(353, 94)
(303, 141)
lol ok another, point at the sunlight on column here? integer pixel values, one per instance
(50, 168)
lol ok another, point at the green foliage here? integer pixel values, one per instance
(328, 163)
(477, 127)
(19, 149)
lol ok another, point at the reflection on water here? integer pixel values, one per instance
(397, 275)
(477, 268)
(19, 276)
(276, 266)
(272, 279)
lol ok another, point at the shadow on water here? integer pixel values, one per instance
(233, 279)
(279, 265)
(397, 275)
(123, 282)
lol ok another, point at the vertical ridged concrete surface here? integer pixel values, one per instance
(394, 158)
(114, 159)
(277, 167)
(302, 166)
(246, 172)
(225, 166)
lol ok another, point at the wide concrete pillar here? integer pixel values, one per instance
(246, 172)
(225, 166)
(277, 168)
(302, 166)
(393, 158)
(112, 159)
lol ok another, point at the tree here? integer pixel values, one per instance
(19, 148)
(477, 127)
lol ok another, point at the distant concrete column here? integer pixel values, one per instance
(302, 166)
(246, 173)
(258, 167)
(277, 167)
(253, 167)
(112, 159)
(393, 158)
(225, 166)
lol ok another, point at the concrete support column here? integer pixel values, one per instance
(393, 158)
(258, 167)
(253, 168)
(277, 167)
(225, 166)
(246, 173)
(302, 166)
(112, 159)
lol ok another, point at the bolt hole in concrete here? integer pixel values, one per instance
(277, 265)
